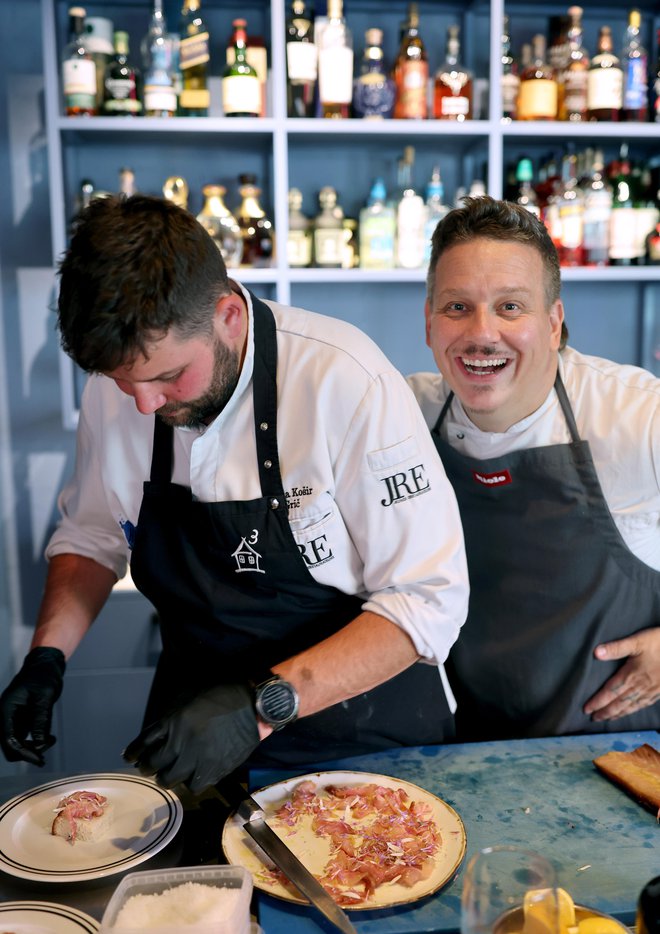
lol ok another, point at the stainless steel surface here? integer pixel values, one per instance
(293, 869)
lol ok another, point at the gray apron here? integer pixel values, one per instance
(550, 578)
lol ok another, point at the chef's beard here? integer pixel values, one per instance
(201, 411)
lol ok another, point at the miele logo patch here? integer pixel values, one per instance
(501, 478)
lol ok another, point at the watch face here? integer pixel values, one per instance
(277, 702)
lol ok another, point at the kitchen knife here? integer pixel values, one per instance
(276, 849)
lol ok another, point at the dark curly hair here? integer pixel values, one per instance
(136, 268)
(497, 220)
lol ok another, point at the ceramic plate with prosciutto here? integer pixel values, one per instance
(44, 918)
(373, 841)
(145, 818)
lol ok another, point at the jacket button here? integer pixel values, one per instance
(274, 503)
(264, 426)
(268, 464)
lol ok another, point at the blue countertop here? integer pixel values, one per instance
(543, 794)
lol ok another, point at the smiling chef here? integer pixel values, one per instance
(555, 460)
(272, 480)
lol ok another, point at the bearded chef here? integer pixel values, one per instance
(555, 460)
(273, 481)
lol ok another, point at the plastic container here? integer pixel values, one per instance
(154, 883)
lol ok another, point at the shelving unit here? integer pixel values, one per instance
(347, 154)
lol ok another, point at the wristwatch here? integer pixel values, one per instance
(276, 701)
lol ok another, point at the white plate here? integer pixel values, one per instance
(145, 819)
(44, 918)
(240, 849)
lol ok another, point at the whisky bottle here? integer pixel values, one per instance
(411, 215)
(256, 228)
(159, 95)
(121, 91)
(193, 61)
(221, 224)
(335, 64)
(78, 69)
(241, 91)
(570, 206)
(373, 90)
(452, 94)
(573, 85)
(510, 81)
(604, 81)
(537, 99)
(634, 59)
(301, 62)
(597, 211)
(329, 231)
(299, 238)
(377, 230)
(411, 72)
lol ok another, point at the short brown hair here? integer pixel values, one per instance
(496, 220)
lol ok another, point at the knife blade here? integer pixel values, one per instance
(276, 849)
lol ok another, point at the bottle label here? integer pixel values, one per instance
(411, 225)
(301, 61)
(335, 74)
(454, 106)
(623, 234)
(241, 94)
(120, 91)
(158, 97)
(377, 242)
(299, 248)
(510, 87)
(195, 98)
(634, 97)
(597, 211)
(79, 79)
(329, 246)
(373, 95)
(194, 50)
(537, 99)
(575, 91)
(571, 219)
(605, 89)
(412, 104)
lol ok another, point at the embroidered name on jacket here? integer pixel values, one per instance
(500, 478)
(405, 484)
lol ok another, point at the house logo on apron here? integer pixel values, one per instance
(247, 559)
(499, 478)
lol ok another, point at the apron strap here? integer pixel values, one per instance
(162, 452)
(441, 416)
(264, 395)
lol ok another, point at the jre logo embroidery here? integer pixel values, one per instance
(405, 484)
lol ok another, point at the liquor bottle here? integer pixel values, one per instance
(537, 99)
(557, 51)
(328, 231)
(377, 230)
(127, 186)
(373, 90)
(653, 247)
(255, 55)
(623, 241)
(634, 59)
(452, 93)
(411, 72)
(436, 209)
(597, 211)
(604, 81)
(175, 189)
(221, 224)
(301, 62)
(410, 216)
(335, 64)
(121, 91)
(570, 203)
(99, 43)
(526, 197)
(241, 91)
(256, 228)
(647, 214)
(573, 96)
(299, 238)
(510, 81)
(159, 95)
(350, 251)
(193, 61)
(655, 86)
(78, 69)
(648, 908)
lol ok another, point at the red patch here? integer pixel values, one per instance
(500, 478)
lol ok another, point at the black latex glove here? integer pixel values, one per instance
(26, 706)
(200, 742)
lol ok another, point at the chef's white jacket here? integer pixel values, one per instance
(617, 410)
(368, 499)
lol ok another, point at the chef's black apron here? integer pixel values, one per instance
(550, 578)
(234, 597)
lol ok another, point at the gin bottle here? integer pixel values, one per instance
(377, 230)
(159, 94)
(78, 69)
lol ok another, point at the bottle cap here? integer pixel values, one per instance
(378, 191)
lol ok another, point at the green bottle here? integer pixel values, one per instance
(241, 91)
